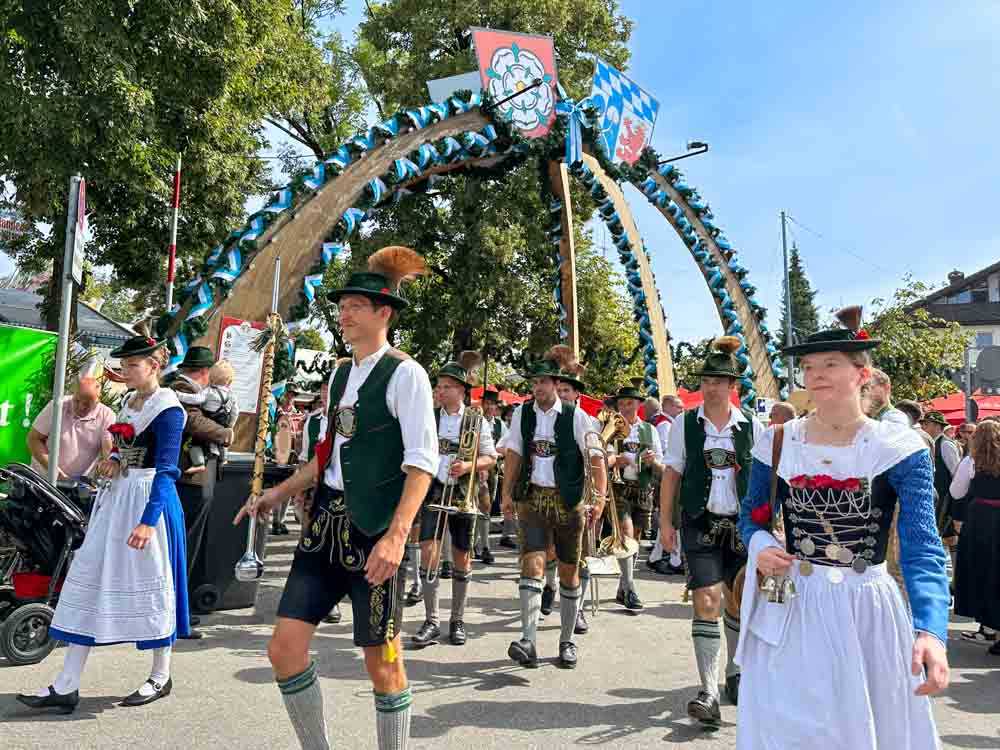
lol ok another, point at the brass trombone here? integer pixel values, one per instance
(598, 558)
(452, 502)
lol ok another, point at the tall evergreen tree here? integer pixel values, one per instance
(805, 318)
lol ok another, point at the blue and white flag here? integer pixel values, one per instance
(628, 113)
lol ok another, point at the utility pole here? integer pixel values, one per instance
(788, 307)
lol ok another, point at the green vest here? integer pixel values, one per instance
(568, 464)
(312, 434)
(496, 431)
(696, 482)
(371, 461)
(645, 444)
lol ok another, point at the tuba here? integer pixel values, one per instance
(599, 553)
(460, 497)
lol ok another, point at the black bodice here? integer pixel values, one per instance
(838, 527)
(141, 450)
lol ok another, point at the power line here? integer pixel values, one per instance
(841, 248)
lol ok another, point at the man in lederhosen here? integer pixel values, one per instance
(371, 475)
(546, 449)
(708, 460)
(638, 461)
(453, 383)
(489, 480)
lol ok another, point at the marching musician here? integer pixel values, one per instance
(708, 459)
(639, 462)
(489, 479)
(569, 388)
(454, 381)
(545, 474)
(371, 475)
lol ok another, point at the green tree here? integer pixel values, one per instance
(805, 317)
(916, 347)
(483, 234)
(309, 338)
(115, 92)
(103, 293)
(688, 359)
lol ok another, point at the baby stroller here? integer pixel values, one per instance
(43, 527)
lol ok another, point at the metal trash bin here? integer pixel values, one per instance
(212, 584)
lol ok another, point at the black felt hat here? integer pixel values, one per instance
(721, 361)
(197, 357)
(631, 391)
(136, 346)
(936, 417)
(388, 268)
(851, 337)
(460, 369)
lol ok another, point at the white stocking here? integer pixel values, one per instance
(73, 664)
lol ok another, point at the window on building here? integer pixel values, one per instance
(984, 339)
(961, 298)
(981, 293)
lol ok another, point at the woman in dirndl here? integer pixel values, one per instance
(976, 489)
(839, 662)
(128, 581)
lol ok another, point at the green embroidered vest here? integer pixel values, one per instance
(371, 461)
(696, 482)
(568, 464)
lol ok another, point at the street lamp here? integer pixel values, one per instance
(694, 148)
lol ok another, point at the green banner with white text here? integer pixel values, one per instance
(26, 361)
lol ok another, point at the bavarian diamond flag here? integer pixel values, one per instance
(627, 113)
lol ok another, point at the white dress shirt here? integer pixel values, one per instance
(543, 467)
(663, 430)
(962, 478)
(450, 428)
(722, 498)
(949, 453)
(408, 397)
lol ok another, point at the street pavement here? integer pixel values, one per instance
(635, 676)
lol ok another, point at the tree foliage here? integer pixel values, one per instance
(114, 91)
(483, 233)
(916, 347)
(688, 359)
(805, 316)
(309, 338)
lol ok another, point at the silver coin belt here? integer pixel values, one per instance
(130, 457)
(845, 528)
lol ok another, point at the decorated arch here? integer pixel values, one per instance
(311, 222)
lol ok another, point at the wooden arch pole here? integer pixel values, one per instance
(664, 361)
(559, 179)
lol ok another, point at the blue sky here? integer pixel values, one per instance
(872, 124)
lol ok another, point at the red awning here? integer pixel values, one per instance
(952, 406)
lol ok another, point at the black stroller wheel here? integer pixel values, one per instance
(24, 636)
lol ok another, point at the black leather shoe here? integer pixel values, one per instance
(548, 599)
(567, 655)
(160, 691)
(193, 635)
(456, 633)
(523, 652)
(63, 704)
(733, 689)
(335, 616)
(582, 626)
(414, 596)
(620, 597)
(428, 634)
(445, 573)
(994, 650)
(632, 602)
(487, 557)
(705, 709)
(506, 541)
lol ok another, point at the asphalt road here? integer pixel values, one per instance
(635, 677)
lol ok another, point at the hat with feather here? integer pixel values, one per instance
(848, 337)
(721, 361)
(461, 369)
(631, 391)
(388, 269)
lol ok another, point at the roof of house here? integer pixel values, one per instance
(958, 286)
(20, 308)
(966, 314)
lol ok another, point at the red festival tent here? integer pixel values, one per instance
(952, 406)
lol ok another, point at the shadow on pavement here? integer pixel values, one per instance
(89, 708)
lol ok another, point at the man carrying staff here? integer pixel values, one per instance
(453, 383)
(371, 475)
(546, 448)
(639, 461)
(708, 459)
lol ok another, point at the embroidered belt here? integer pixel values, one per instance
(630, 447)
(447, 447)
(720, 458)
(345, 421)
(543, 448)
